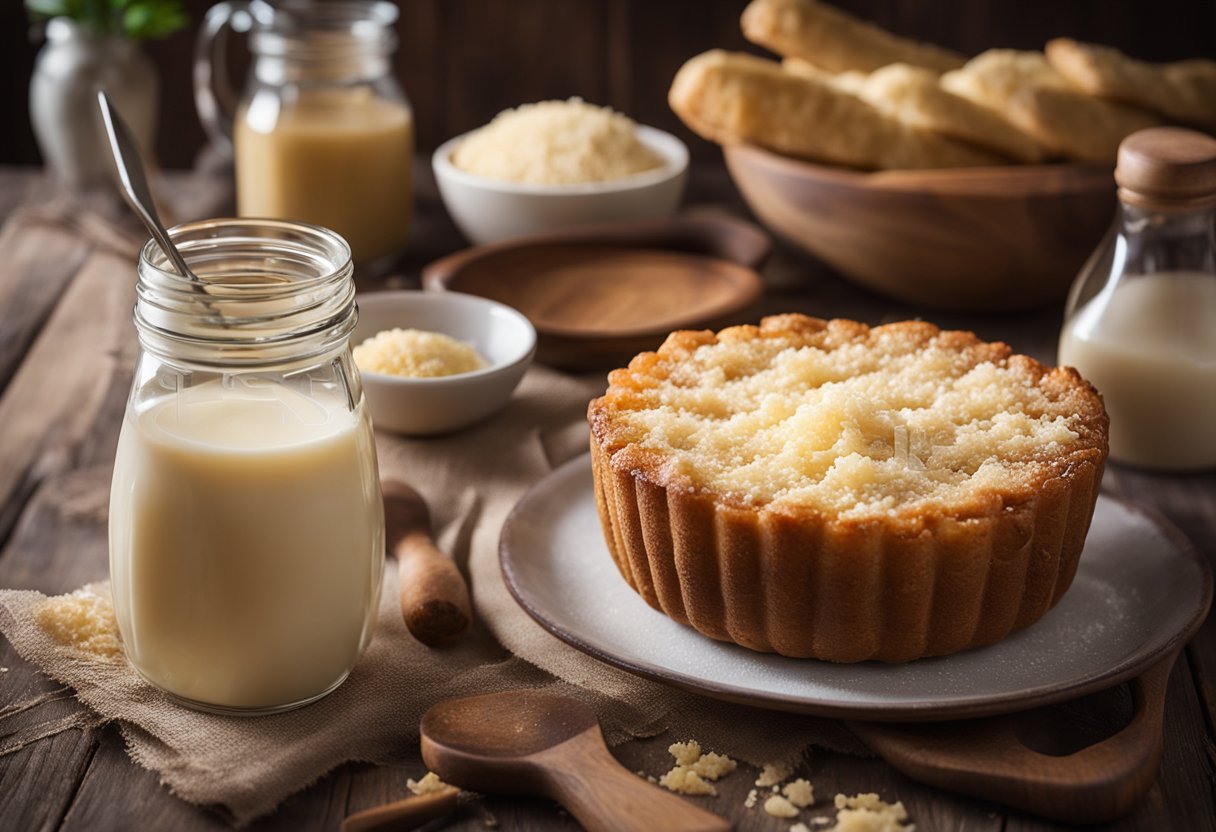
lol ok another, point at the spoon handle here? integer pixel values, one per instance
(606, 797)
(134, 181)
(410, 813)
(434, 596)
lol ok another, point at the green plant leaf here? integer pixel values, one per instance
(138, 19)
(46, 8)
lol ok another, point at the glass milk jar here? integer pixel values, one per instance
(246, 523)
(323, 132)
(1141, 319)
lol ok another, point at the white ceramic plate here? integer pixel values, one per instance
(1141, 591)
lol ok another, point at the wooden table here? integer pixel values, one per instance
(66, 355)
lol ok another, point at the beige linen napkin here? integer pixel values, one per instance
(471, 480)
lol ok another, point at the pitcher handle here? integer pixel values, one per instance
(214, 97)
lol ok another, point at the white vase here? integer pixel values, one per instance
(72, 65)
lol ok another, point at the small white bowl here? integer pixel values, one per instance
(426, 406)
(488, 210)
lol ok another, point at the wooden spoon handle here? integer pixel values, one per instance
(409, 813)
(985, 758)
(434, 596)
(605, 797)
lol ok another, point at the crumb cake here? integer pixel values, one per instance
(826, 489)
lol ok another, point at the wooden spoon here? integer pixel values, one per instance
(434, 596)
(533, 742)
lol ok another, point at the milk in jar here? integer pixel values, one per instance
(246, 521)
(1141, 318)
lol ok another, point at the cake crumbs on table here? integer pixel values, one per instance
(800, 792)
(772, 774)
(694, 771)
(780, 807)
(429, 784)
(867, 812)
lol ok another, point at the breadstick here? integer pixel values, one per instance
(1185, 90)
(835, 40)
(735, 98)
(1024, 88)
(915, 96)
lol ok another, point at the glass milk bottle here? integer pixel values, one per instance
(1141, 319)
(323, 132)
(246, 523)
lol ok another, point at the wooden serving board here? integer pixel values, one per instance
(1010, 758)
(599, 295)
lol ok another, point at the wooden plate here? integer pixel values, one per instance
(1141, 591)
(599, 295)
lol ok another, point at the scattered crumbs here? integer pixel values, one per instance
(684, 780)
(800, 827)
(821, 821)
(712, 766)
(775, 789)
(3, 670)
(869, 813)
(779, 807)
(686, 753)
(773, 773)
(83, 621)
(694, 771)
(429, 784)
(800, 792)
(752, 797)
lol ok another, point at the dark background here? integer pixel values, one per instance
(462, 61)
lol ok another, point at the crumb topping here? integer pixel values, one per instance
(842, 418)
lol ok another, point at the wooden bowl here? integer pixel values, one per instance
(976, 240)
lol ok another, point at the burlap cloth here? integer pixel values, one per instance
(471, 481)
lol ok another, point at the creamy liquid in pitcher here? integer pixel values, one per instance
(1150, 349)
(246, 542)
(336, 158)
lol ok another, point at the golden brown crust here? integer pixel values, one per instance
(1183, 90)
(805, 583)
(1026, 89)
(734, 98)
(835, 40)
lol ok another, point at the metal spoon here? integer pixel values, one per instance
(133, 181)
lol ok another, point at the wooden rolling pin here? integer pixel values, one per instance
(434, 597)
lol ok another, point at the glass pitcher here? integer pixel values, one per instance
(1141, 319)
(246, 522)
(323, 133)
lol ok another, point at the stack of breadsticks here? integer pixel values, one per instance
(850, 93)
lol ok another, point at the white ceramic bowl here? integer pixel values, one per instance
(487, 210)
(425, 406)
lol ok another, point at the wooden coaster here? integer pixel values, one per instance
(598, 296)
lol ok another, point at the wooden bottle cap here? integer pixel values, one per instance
(1169, 168)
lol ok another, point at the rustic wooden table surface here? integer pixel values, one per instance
(67, 349)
